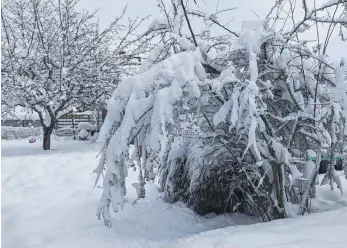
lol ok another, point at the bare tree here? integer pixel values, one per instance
(56, 59)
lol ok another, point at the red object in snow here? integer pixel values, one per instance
(33, 140)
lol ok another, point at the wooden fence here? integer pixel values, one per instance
(72, 120)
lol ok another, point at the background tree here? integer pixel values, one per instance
(56, 59)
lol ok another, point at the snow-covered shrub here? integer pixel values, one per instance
(86, 131)
(232, 134)
(86, 126)
(83, 134)
(15, 133)
(143, 109)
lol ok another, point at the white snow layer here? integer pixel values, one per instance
(158, 22)
(48, 202)
(86, 126)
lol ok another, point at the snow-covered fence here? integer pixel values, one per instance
(65, 131)
(13, 133)
(73, 120)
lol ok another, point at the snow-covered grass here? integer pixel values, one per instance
(48, 202)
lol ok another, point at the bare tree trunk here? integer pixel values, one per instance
(282, 194)
(278, 187)
(278, 178)
(47, 132)
(103, 114)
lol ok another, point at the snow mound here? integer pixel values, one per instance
(317, 230)
(83, 134)
(86, 126)
(330, 200)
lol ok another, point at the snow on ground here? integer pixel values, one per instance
(48, 202)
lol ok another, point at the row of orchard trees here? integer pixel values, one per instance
(56, 59)
(232, 131)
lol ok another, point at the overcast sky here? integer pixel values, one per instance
(246, 10)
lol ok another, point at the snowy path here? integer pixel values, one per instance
(48, 201)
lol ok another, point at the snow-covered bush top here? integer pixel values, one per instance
(156, 90)
(143, 106)
(86, 126)
(255, 116)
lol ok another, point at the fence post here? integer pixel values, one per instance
(73, 126)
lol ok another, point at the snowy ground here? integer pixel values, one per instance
(48, 201)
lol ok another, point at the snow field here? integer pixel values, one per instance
(48, 202)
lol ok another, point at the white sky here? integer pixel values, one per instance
(112, 8)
